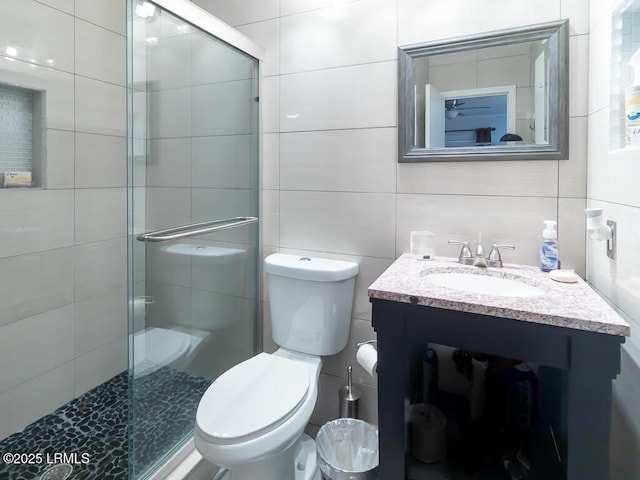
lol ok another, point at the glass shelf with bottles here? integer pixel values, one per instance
(625, 77)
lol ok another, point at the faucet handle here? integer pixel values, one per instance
(465, 257)
(495, 259)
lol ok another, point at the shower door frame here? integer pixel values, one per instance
(187, 458)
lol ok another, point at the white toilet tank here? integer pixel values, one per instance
(310, 301)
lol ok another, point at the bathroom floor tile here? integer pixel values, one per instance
(96, 424)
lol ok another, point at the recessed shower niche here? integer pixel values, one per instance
(625, 76)
(22, 136)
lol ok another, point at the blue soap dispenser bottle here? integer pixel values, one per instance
(549, 247)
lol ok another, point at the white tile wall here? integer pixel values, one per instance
(41, 342)
(337, 222)
(163, 266)
(100, 214)
(537, 178)
(100, 267)
(172, 109)
(214, 62)
(59, 86)
(35, 398)
(361, 331)
(99, 365)
(506, 70)
(339, 98)
(34, 283)
(169, 162)
(60, 159)
(571, 229)
(599, 65)
(40, 34)
(573, 172)
(470, 17)
(463, 217)
(347, 34)
(613, 186)
(457, 76)
(267, 35)
(64, 5)
(270, 161)
(612, 176)
(99, 320)
(270, 102)
(578, 13)
(361, 160)
(168, 64)
(270, 215)
(235, 99)
(110, 14)
(216, 203)
(239, 12)
(290, 7)
(167, 207)
(171, 304)
(100, 161)
(100, 107)
(42, 273)
(599, 10)
(109, 65)
(223, 161)
(35, 220)
(578, 75)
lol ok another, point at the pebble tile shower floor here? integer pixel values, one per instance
(96, 424)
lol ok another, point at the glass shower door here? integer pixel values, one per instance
(193, 202)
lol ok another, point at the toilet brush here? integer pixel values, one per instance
(349, 398)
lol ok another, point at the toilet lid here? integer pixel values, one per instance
(251, 397)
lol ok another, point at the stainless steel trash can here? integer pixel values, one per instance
(348, 450)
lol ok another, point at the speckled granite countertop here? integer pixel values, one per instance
(570, 305)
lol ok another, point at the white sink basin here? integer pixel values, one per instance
(483, 284)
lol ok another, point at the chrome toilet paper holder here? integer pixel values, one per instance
(367, 343)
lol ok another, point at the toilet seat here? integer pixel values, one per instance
(251, 398)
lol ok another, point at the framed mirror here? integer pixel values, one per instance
(502, 95)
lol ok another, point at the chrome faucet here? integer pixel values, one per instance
(479, 259)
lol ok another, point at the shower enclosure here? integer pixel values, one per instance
(110, 331)
(193, 228)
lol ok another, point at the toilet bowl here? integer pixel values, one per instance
(257, 410)
(252, 418)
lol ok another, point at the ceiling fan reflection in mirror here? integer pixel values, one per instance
(454, 106)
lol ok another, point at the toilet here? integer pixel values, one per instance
(251, 419)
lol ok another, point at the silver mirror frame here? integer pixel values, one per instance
(557, 33)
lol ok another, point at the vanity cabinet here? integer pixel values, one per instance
(575, 345)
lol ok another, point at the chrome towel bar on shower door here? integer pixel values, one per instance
(194, 229)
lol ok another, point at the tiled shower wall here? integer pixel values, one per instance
(614, 176)
(332, 186)
(62, 249)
